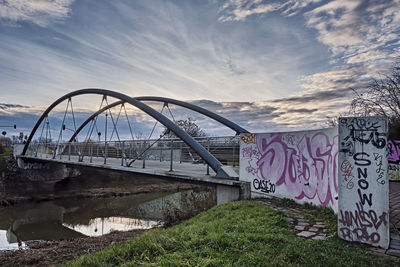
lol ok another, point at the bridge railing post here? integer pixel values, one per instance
(91, 151)
(233, 156)
(180, 154)
(172, 155)
(144, 160)
(208, 149)
(105, 142)
(122, 153)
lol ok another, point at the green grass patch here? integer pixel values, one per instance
(244, 233)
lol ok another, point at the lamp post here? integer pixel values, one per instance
(99, 134)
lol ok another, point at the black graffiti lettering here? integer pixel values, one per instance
(382, 219)
(364, 197)
(367, 135)
(363, 218)
(264, 186)
(347, 147)
(363, 184)
(362, 173)
(359, 234)
(361, 161)
(346, 234)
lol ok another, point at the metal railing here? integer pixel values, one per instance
(225, 149)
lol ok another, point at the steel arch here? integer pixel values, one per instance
(200, 150)
(198, 109)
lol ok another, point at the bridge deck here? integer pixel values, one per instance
(184, 170)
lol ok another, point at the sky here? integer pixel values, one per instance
(266, 65)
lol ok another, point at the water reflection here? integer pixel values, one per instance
(10, 241)
(102, 226)
(66, 219)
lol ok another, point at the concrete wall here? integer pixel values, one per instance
(297, 165)
(363, 214)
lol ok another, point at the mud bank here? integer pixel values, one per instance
(50, 253)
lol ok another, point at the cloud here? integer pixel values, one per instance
(239, 10)
(40, 12)
(162, 48)
(302, 110)
(362, 37)
(355, 30)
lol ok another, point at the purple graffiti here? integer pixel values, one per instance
(249, 152)
(394, 151)
(307, 171)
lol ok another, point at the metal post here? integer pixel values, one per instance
(233, 156)
(144, 160)
(98, 145)
(45, 142)
(122, 153)
(69, 151)
(208, 166)
(105, 142)
(91, 151)
(160, 153)
(172, 155)
(180, 154)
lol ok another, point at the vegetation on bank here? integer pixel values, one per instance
(244, 233)
(5, 154)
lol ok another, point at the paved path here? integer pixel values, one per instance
(394, 203)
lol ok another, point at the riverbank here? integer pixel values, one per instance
(245, 233)
(80, 198)
(51, 253)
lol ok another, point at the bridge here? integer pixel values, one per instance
(174, 154)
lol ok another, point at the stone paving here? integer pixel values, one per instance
(316, 230)
(394, 203)
(301, 226)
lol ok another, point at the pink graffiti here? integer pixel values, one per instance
(394, 151)
(308, 171)
(347, 173)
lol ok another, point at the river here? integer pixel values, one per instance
(95, 204)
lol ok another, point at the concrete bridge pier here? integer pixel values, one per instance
(228, 193)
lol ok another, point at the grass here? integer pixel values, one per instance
(244, 233)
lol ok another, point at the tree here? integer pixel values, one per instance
(381, 97)
(189, 126)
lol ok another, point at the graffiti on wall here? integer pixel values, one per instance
(363, 214)
(297, 165)
(394, 160)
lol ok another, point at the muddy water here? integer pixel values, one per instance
(68, 218)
